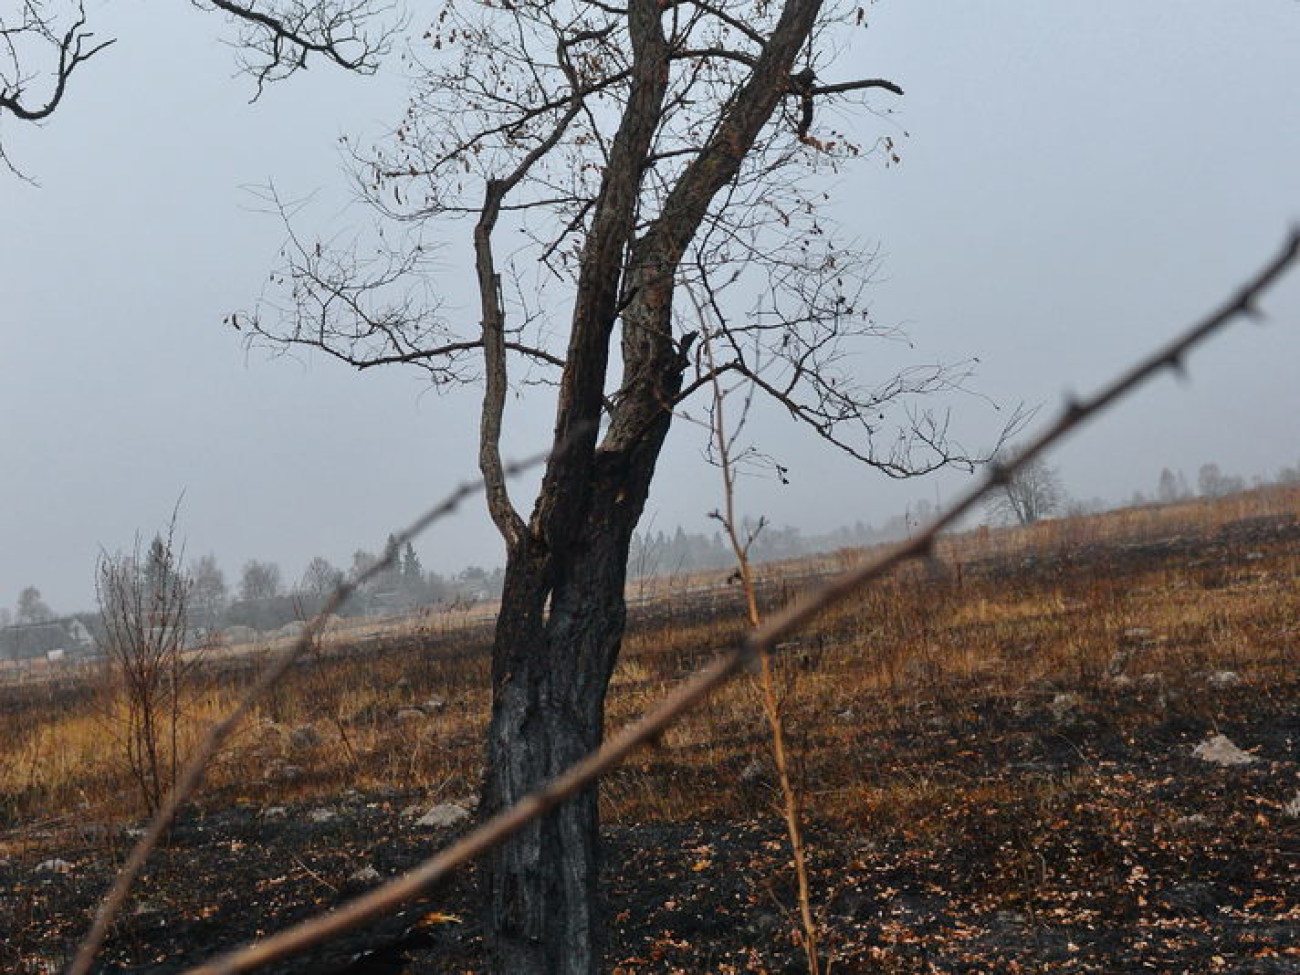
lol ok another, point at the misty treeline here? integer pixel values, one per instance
(661, 553)
(260, 597)
(1211, 482)
(263, 598)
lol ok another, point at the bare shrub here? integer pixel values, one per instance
(142, 602)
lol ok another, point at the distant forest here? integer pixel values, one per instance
(262, 601)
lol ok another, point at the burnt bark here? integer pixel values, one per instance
(563, 611)
(557, 641)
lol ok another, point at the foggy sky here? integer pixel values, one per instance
(1077, 183)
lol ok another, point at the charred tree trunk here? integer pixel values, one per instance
(562, 611)
(557, 641)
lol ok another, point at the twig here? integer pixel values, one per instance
(763, 640)
(314, 875)
(791, 803)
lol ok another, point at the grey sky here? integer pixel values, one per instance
(1077, 181)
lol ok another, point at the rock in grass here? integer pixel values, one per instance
(279, 771)
(1223, 678)
(1218, 750)
(433, 705)
(1065, 708)
(443, 815)
(1192, 823)
(54, 865)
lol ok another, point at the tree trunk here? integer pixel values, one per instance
(562, 610)
(557, 640)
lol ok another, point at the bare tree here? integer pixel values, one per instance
(32, 608)
(638, 152)
(1032, 492)
(320, 578)
(208, 595)
(143, 605)
(1172, 487)
(259, 580)
(727, 452)
(635, 153)
(1211, 482)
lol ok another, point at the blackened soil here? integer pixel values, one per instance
(1075, 846)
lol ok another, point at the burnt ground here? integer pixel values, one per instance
(1065, 827)
(1118, 850)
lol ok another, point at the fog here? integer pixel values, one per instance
(1075, 184)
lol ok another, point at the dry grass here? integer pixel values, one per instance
(1005, 618)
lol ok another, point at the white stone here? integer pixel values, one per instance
(1292, 808)
(1219, 750)
(280, 772)
(1223, 678)
(54, 865)
(1064, 706)
(443, 815)
(304, 737)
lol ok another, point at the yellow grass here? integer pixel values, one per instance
(978, 618)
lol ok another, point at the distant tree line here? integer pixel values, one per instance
(263, 601)
(1211, 482)
(665, 554)
(260, 599)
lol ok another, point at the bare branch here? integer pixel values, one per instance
(280, 38)
(34, 28)
(503, 512)
(863, 84)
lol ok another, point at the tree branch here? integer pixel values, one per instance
(73, 52)
(844, 86)
(337, 30)
(503, 512)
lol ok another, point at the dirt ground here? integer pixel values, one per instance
(1135, 855)
(1069, 826)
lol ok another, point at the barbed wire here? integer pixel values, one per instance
(763, 640)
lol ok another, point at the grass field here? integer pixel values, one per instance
(1017, 612)
(993, 693)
